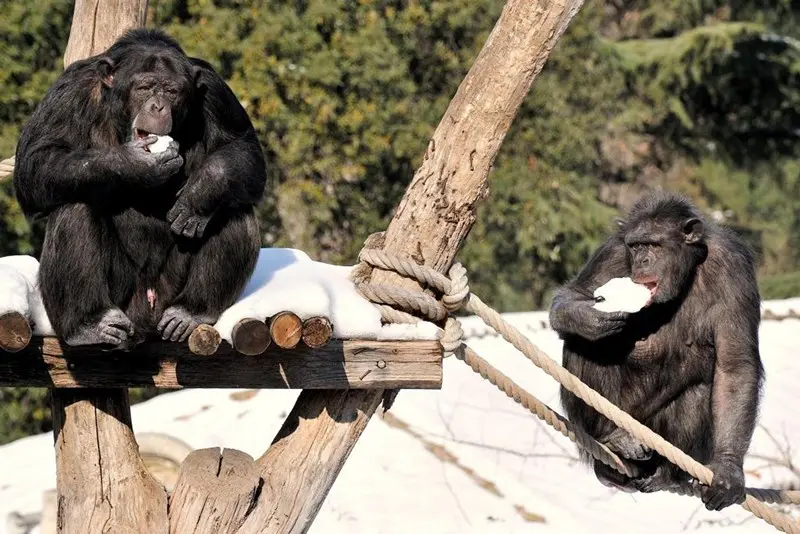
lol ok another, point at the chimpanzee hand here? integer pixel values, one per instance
(627, 446)
(727, 486)
(147, 168)
(184, 220)
(579, 317)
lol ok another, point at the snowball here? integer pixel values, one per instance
(160, 145)
(621, 294)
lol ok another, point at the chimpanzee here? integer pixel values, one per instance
(687, 365)
(140, 242)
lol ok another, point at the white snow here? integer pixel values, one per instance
(160, 145)
(621, 294)
(469, 457)
(19, 291)
(283, 279)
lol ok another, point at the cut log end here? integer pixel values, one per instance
(317, 332)
(205, 340)
(251, 337)
(15, 332)
(286, 329)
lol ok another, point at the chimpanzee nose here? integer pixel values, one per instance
(157, 106)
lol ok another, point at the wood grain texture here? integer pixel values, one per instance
(204, 340)
(286, 329)
(96, 24)
(251, 336)
(348, 364)
(15, 332)
(429, 225)
(102, 483)
(317, 332)
(215, 492)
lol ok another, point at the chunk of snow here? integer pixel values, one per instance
(160, 145)
(621, 294)
(283, 280)
(287, 279)
(19, 291)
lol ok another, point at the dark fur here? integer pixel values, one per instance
(123, 220)
(688, 364)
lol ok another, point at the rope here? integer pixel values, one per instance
(6, 168)
(456, 294)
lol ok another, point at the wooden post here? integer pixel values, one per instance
(96, 24)
(286, 329)
(430, 224)
(102, 483)
(317, 331)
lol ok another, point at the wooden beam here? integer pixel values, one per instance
(102, 482)
(430, 224)
(348, 364)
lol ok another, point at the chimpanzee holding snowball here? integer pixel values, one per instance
(687, 364)
(140, 239)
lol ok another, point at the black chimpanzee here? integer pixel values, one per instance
(139, 241)
(687, 365)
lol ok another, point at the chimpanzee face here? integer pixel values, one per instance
(663, 255)
(155, 89)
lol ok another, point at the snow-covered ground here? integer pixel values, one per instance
(462, 460)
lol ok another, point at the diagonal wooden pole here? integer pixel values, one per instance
(430, 224)
(102, 482)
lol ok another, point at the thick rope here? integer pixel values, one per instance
(458, 291)
(6, 168)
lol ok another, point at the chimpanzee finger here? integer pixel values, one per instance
(178, 332)
(145, 141)
(170, 328)
(201, 227)
(190, 230)
(180, 222)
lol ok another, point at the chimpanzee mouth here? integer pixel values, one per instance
(138, 133)
(652, 286)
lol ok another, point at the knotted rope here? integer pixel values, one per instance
(456, 295)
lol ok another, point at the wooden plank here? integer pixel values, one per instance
(102, 482)
(430, 224)
(215, 492)
(341, 364)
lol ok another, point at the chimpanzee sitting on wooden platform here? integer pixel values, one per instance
(687, 365)
(141, 240)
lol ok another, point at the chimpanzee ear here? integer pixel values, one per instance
(197, 75)
(106, 68)
(693, 230)
(619, 222)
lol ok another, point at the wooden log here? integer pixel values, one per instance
(344, 364)
(15, 332)
(251, 337)
(96, 24)
(430, 224)
(102, 483)
(214, 493)
(286, 329)
(317, 332)
(204, 340)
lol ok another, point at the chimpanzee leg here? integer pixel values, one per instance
(686, 423)
(215, 274)
(77, 257)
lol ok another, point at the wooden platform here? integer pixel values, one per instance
(341, 364)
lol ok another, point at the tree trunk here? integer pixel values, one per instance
(102, 483)
(96, 24)
(430, 224)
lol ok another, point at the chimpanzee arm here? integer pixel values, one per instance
(737, 382)
(572, 312)
(230, 173)
(68, 152)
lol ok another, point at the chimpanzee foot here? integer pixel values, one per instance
(177, 324)
(661, 480)
(627, 446)
(114, 328)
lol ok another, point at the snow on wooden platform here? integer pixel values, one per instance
(463, 460)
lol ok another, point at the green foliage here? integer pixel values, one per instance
(780, 285)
